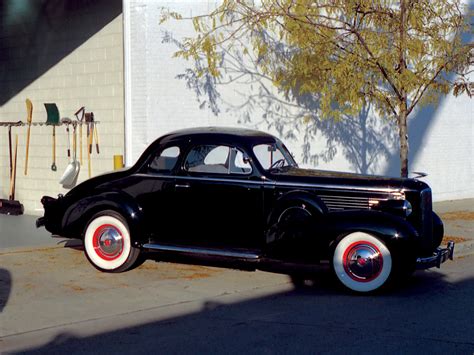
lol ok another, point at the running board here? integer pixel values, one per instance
(248, 256)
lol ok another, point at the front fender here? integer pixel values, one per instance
(394, 231)
(80, 212)
(317, 242)
(309, 201)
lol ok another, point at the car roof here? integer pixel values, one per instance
(219, 133)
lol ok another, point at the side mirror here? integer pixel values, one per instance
(246, 159)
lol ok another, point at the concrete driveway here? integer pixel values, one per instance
(53, 301)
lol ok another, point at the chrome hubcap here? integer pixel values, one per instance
(109, 242)
(363, 262)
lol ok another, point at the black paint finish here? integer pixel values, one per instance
(285, 214)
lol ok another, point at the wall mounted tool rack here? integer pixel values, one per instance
(21, 123)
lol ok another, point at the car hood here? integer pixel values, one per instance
(295, 175)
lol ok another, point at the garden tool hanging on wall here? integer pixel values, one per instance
(80, 120)
(96, 138)
(69, 178)
(89, 118)
(67, 121)
(10, 150)
(13, 177)
(11, 206)
(29, 118)
(53, 119)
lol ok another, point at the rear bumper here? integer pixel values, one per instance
(40, 222)
(53, 211)
(438, 257)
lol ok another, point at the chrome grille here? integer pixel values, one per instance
(337, 203)
(426, 214)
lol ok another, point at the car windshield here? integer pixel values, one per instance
(273, 156)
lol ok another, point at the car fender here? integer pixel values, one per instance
(319, 239)
(291, 220)
(398, 234)
(79, 213)
(304, 199)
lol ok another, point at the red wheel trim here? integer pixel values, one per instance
(95, 241)
(346, 267)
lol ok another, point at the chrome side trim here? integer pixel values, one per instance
(267, 182)
(203, 251)
(338, 187)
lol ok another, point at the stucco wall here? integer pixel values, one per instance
(71, 54)
(164, 95)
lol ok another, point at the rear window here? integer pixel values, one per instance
(166, 160)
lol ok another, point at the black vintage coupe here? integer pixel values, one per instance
(237, 194)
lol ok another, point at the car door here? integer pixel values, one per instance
(158, 201)
(220, 198)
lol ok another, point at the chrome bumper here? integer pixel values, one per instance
(439, 257)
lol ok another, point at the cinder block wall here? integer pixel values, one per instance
(79, 62)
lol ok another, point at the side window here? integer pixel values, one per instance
(239, 165)
(166, 160)
(267, 154)
(216, 159)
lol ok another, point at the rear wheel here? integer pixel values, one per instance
(107, 243)
(362, 262)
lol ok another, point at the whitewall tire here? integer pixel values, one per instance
(362, 262)
(107, 243)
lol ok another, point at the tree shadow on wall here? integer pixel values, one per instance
(364, 140)
(420, 122)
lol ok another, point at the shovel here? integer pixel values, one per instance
(80, 120)
(69, 178)
(53, 119)
(29, 118)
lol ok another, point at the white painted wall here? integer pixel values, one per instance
(158, 102)
(89, 75)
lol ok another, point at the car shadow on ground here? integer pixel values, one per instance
(5, 287)
(424, 315)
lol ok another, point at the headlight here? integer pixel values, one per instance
(407, 208)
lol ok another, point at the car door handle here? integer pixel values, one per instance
(182, 186)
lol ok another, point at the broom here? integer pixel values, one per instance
(11, 206)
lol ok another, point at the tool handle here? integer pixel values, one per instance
(80, 143)
(54, 144)
(10, 148)
(74, 144)
(91, 137)
(68, 144)
(27, 148)
(96, 136)
(13, 178)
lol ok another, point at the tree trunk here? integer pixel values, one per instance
(403, 109)
(403, 135)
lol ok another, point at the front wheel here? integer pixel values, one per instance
(107, 243)
(362, 262)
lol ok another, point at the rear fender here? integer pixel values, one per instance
(79, 213)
